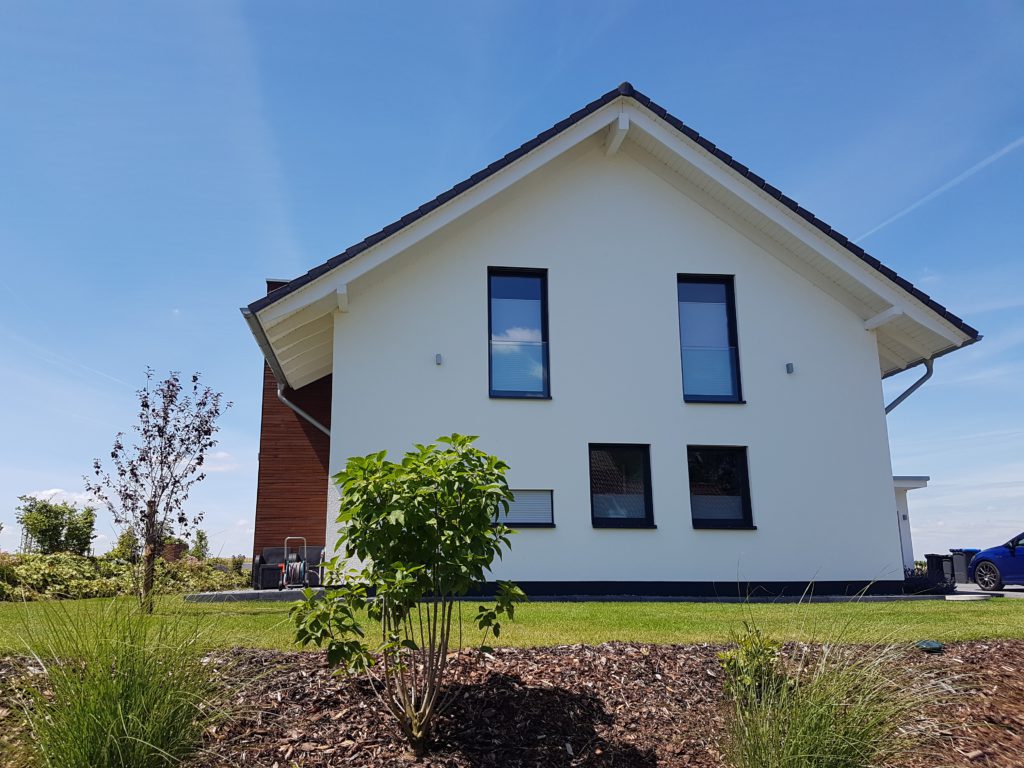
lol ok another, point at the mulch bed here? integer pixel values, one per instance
(614, 705)
(985, 720)
(617, 704)
(609, 705)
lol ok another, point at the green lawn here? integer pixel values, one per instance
(266, 625)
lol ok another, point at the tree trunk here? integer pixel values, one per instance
(149, 557)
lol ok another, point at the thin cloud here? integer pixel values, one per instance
(221, 461)
(946, 187)
(61, 496)
(994, 305)
(47, 355)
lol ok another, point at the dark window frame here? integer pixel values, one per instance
(729, 282)
(623, 522)
(747, 523)
(551, 493)
(502, 394)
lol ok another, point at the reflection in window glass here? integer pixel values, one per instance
(518, 333)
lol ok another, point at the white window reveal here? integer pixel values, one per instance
(531, 508)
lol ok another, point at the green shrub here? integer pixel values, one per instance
(63, 575)
(752, 668)
(56, 526)
(126, 547)
(424, 533)
(8, 576)
(200, 548)
(824, 706)
(121, 689)
(68, 576)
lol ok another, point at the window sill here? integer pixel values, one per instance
(712, 401)
(616, 524)
(516, 526)
(517, 396)
(718, 525)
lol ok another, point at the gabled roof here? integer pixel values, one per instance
(966, 334)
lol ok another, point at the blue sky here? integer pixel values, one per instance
(159, 160)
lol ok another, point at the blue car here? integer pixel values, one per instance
(991, 568)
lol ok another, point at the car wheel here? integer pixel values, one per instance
(987, 576)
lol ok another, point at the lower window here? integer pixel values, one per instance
(530, 508)
(620, 486)
(719, 487)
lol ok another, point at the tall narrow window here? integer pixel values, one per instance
(719, 487)
(620, 486)
(707, 337)
(518, 319)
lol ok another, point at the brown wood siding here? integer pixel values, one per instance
(291, 490)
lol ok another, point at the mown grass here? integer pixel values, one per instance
(265, 625)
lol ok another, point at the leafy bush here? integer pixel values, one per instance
(828, 706)
(752, 668)
(121, 690)
(56, 527)
(64, 575)
(127, 547)
(200, 548)
(425, 532)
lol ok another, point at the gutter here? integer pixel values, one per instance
(275, 367)
(928, 365)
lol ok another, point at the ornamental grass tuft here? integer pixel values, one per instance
(121, 689)
(826, 705)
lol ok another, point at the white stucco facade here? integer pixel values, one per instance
(614, 203)
(613, 233)
(902, 485)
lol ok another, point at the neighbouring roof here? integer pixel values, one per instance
(910, 482)
(628, 92)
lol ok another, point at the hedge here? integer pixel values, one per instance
(69, 576)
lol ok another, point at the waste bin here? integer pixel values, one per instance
(959, 566)
(970, 552)
(940, 568)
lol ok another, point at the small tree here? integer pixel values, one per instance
(126, 547)
(56, 527)
(150, 479)
(426, 532)
(200, 549)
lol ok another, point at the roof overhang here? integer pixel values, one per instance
(294, 323)
(909, 482)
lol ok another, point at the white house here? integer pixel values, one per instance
(680, 364)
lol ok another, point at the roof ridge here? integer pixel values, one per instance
(624, 90)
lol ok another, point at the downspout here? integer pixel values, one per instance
(275, 367)
(912, 388)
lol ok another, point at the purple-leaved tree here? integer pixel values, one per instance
(148, 479)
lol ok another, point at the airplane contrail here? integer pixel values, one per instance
(947, 186)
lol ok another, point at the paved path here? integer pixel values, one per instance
(974, 589)
(288, 595)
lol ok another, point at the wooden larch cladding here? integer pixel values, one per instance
(291, 490)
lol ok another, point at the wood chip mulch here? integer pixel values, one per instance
(983, 724)
(617, 704)
(609, 705)
(614, 705)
